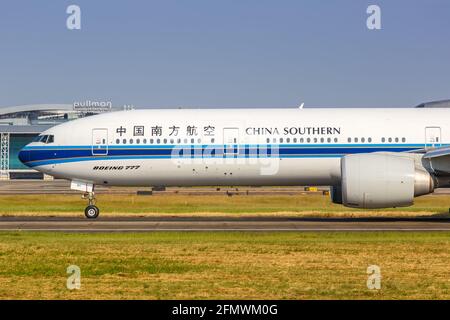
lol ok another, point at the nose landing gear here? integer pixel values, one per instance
(91, 211)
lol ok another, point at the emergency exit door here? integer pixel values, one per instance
(432, 137)
(231, 141)
(99, 142)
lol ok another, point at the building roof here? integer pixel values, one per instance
(36, 107)
(435, 104)
(31, 129)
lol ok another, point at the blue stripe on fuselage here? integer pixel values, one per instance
(42, 155)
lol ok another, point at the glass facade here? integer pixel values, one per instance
(16, 143)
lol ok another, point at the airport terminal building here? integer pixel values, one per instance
(19, 125)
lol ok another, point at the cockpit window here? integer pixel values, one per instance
(45, 138)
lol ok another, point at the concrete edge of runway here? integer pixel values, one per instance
(221, 224)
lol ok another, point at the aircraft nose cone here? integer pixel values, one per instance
(24, 156)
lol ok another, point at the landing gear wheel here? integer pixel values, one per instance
(91, 212)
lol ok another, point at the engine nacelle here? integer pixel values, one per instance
(374, 180)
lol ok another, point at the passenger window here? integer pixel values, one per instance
(308, 140)
(315, 140)
(138, 141)
(349, 139)
(117, 141)
(329, 140)
(356, 139)
(212, 140)
(396, 139)
(403, 139)
(281, 140)
(302, 140)
(288, 140)
(144, 141)
(322, 140)
(336, 140)
(124, 141)
(390, 139)
(295, 140)
(383, 139)
(363, 140)
(370, 140)
(131, 141)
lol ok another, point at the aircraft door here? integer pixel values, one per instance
(432, 137)
(99, 142)
(231, 141)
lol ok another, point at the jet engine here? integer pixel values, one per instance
(383, 180)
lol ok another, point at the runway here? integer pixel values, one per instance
(254, 224)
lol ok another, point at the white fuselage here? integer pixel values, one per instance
(178, 147)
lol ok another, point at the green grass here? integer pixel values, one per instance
(182, 204)
(225, 265)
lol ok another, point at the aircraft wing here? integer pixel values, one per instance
(439, 160)
(439, 152)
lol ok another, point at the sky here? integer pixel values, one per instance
(227, 53)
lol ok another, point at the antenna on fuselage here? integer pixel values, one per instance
(301, 106)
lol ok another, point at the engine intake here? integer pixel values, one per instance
(374, 180)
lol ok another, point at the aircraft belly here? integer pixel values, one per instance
(193, 172)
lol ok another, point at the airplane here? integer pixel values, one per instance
(370, 157)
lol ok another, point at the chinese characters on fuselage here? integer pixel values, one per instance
(172, 131)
